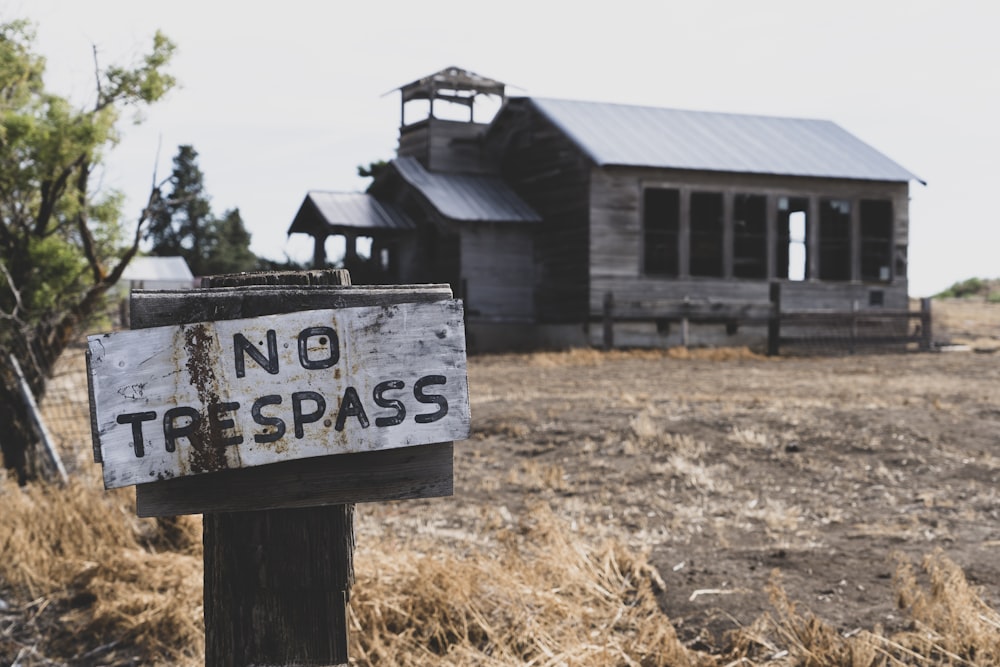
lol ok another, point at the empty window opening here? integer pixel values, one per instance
(901, 261)
(876, 240)
(335, 248)
(791, 253)
(750, 236)
(706, 234)
(363, 247)
(876, 298)
(834, 239)
(661, 225)
(796, 268)
(418, 110)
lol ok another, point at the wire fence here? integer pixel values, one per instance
(65, 404)
(832, 333)
(65, 410)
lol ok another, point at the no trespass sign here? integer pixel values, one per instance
(188, 399)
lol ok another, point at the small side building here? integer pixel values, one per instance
(154, 273)
(150, 273)
(535, 216)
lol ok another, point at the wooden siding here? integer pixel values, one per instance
(498, 271)
(446, 146)
(551, 174)
(616, 239)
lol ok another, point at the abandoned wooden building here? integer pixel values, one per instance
(536, 215)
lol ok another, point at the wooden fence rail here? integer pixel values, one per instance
(872, 327)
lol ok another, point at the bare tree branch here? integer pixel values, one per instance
(97, 74)
(15, 292)
(52, 191)
(86, 237)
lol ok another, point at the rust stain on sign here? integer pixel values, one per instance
(207, 441)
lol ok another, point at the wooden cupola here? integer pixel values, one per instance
(441, 140)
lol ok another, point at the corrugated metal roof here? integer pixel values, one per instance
(466, 197)
(351, 209)
(619, 134)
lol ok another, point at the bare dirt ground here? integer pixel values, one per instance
(731, 469)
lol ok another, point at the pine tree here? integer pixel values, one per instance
(184, 224)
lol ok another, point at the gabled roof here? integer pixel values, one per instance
(454, 79)
(638, 136)
(466, 197)
(339, 211)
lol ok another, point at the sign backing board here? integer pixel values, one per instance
(182, 400)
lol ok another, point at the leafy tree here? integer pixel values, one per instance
(183, 224)
(373, 169)
(966, 288)
(63, 242)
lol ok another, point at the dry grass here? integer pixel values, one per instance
(970, 321)
(542, 596)
(104, 582)
(595, 357)
(949, 625)
(84, 582)
(106, 588)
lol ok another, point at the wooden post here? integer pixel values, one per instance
(350, 251)
(277, 582)
(855, 307)
(609, 322)
(774, 321)
(36, 419)
(926, 337)
(278, 521)
(685, 333)
(319, 251)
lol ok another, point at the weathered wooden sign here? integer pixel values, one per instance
(182, 400)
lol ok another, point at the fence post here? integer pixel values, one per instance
(926, 337)
(277, 582)
(609, 322)
(774, 321)
(855, 307)
(685, 332)
(36, 419)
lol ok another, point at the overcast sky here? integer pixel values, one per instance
(280, 98)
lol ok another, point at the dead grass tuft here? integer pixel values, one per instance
(542, 596)
(951, 621)
(949, 625)
(538, 476)
(100, 572)
(714, 353)
(535, 591)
